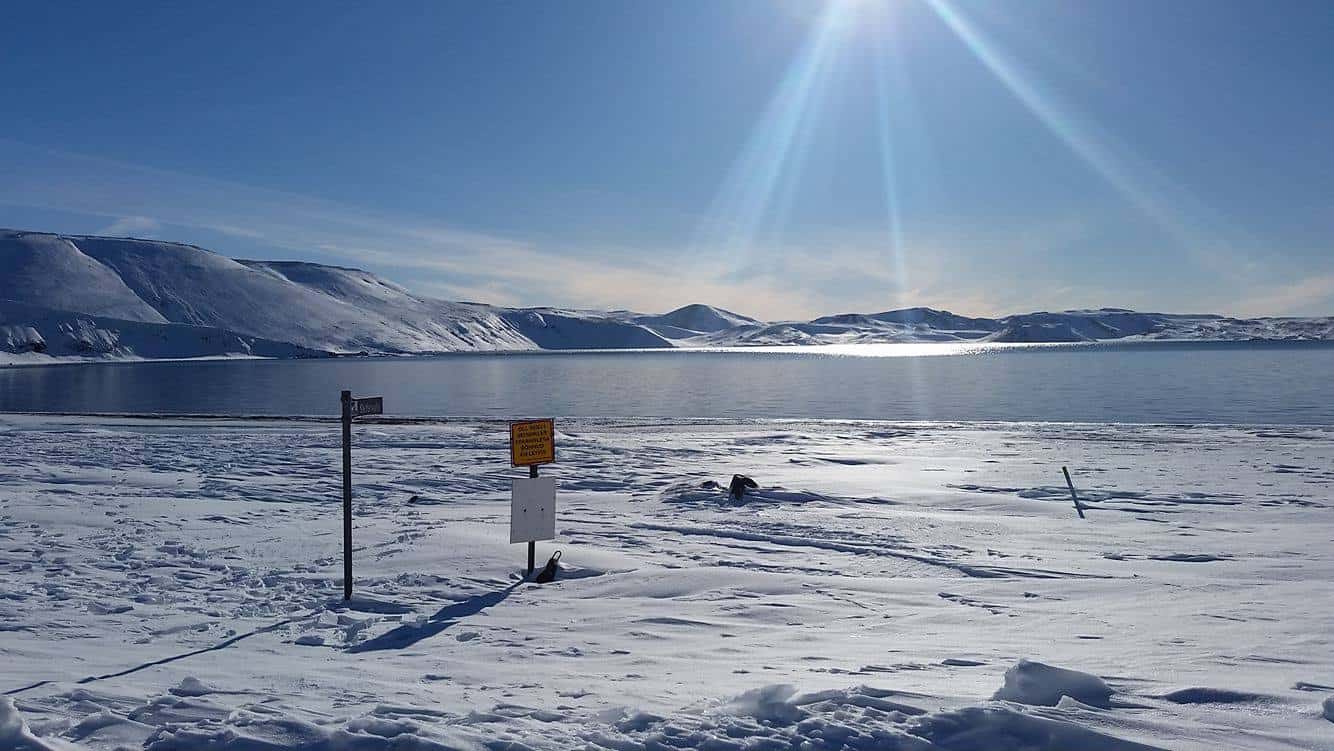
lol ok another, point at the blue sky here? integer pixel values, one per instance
(782, 158)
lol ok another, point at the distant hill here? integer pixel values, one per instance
(692, 320)
(77, 297)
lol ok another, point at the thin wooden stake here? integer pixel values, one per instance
(1073, 497)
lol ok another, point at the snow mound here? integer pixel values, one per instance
(246, 731)
(1043, 685)
(192, 686)
(14, 732)
(976, 728)
(768, 704)
(774, 716)
(856, 719)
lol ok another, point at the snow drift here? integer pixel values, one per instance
(1044, 685)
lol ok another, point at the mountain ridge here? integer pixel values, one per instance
(94, 297)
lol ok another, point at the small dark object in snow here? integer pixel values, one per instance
(738, 487)
(548, 573)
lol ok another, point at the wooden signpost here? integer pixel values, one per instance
(352, 408)
(532, 500)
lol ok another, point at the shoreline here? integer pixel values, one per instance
(623, 422)
(856, 349)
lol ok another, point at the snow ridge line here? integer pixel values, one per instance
(973, 571)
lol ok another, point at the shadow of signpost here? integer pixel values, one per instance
(409, 634)
(165, 660)
(399, 638)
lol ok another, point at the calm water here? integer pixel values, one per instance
(1149, 382)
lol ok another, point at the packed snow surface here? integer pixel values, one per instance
(88, 297)
(176, 584)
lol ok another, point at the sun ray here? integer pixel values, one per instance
(889, 167)
(760, 183)
(1146, 188)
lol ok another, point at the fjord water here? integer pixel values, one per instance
(1151, 382)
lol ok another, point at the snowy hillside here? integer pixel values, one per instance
(694, 320)
(928, 325)
(307, 306)
(118, 290)
(1112, 323)
(29, 334)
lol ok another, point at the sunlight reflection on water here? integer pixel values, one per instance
(1214, 382)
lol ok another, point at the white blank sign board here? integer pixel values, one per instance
(533, 509)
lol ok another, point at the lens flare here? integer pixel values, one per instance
(1146, 188)
(773, 154)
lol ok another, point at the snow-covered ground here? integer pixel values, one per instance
(172, 584)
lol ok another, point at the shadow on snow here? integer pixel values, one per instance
(409, 634)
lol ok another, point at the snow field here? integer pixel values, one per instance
(174, 584)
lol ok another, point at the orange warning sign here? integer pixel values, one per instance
(532, 442)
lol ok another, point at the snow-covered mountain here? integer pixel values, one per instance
(32, 334)
(105, 284)
(928, 325)
(85, 296)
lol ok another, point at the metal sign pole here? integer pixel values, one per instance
(532, 503)
(532, 545)
(352, 408)
(347, 495)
